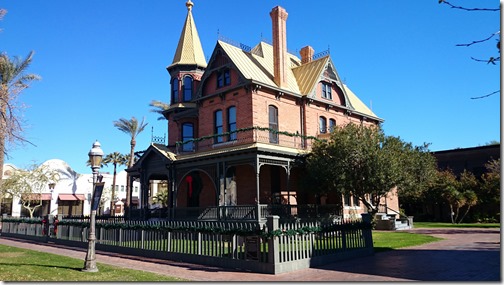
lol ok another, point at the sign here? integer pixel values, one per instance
(98, 189)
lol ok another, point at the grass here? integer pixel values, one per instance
(450, 225)
(385, 241)
(17, 264)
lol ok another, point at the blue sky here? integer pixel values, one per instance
(105, 60)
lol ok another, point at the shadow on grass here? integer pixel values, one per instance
(41, 265)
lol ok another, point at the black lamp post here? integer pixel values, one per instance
(95, 157)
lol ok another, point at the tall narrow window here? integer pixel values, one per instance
(323, 125)
(356, 202)
(174, 90)
(273, 124)
(332, 125)
(187, 135)
(188, 88)
(346, 200)
(218, 128)
(326, 91)
(231, 122)
(227, 78)
(223, 78)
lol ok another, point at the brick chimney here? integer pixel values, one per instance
(279, 18)
(306, 54)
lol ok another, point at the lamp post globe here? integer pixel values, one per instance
(95, 158)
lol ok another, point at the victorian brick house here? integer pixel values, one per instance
(240, 124)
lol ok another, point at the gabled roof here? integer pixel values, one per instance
(156, 150)
(189, 50)
(257, 64)
(357, 104)
(308, 74)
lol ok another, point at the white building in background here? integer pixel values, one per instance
(72, 193)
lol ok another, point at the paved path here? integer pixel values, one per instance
(463, 255)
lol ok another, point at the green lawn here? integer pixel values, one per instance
(450, 225)
(384, 241)
(17, 264)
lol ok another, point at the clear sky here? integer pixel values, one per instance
(105, 60)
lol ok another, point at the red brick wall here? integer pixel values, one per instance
(288, 112)
(238, 98)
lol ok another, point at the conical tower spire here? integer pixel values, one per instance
(189, 50)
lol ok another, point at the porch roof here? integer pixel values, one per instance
(71, 197)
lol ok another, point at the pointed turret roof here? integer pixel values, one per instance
(189, 50)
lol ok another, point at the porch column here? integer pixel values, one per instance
(258, 170)
(287, 170)
(173, 189)
(129, 197)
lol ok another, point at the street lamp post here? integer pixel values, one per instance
(95, 157)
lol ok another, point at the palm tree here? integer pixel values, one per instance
(116, 159)
(132, 128)
(13, 80)
(159, 107)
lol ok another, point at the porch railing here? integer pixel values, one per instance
(244, 136)
(240, 213)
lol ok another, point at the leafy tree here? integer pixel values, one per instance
(363, 162)
(458, 194)
(162, 196)
(131, 127)
(28, 185)
(115, 159)
(159, 107)
(13, 80)
(490, 190)
(469, 185)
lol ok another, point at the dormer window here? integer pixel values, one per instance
(326, 91)
(223, 78)
(174, 90)
(188, 88)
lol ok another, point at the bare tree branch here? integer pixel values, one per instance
(491, 60)
(468, 9)
(488, 95)
(480, 41)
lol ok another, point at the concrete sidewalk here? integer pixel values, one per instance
(463, 255)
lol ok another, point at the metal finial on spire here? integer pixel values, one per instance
(189, 5)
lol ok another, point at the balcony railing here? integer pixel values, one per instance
(245, 136)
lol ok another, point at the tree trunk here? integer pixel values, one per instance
(463, 216)
(130, 164)
(112, 205)
(3, 129)
(452, 214)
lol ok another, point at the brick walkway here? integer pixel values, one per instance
(464, 255)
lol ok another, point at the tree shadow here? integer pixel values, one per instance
(40, 265)
(479, 264)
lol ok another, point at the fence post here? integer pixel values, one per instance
(273, 243)
(367, 232)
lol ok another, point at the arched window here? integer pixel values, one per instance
(187, 135)
(273, 123)
(322, 125)
(231, 122)
(188, 88)
(332, 125)
(218, 127)
(174, 90)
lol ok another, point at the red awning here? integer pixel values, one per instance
(71, 197)
(36, 196)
